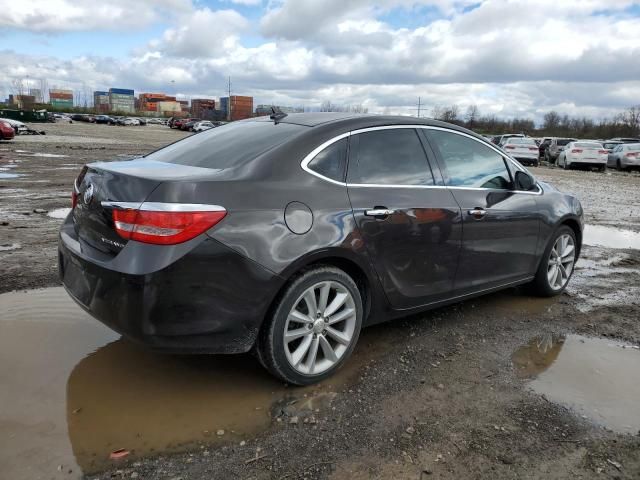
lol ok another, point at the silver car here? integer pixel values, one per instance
(584, 154)
(523, 149)
(625, 156)
(556, 145)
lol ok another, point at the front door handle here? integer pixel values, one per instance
(379, 212)
(478, 213)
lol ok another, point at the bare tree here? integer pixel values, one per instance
(446, 114)
(551, 121)
(472, 116)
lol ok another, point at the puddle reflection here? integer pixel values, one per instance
(601, 236)
(595, 377)
(73, 392)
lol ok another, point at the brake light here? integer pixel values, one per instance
(631, 154)
(169, 225)
(535, 149)
(509, 147)
(576, 150)
(603, 151)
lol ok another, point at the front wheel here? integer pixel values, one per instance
(314, 327)
(557, 264)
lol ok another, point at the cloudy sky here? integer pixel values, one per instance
(509, 57)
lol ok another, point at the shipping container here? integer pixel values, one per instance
(121, 91)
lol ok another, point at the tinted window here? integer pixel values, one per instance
(469, 163)
(227, 146)
(390, 157)
(331, 161)
(564, 141)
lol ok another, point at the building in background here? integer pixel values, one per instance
(184, 105)
(149, 101)
(22, 102)
(169, 109)
(62, 99)
(241, 107)
(122, 100)
(203, 108)
(101, 101)
(36, 93)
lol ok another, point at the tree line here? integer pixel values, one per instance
(554, 124)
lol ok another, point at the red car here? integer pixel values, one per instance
(6, 131)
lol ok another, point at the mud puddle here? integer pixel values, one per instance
(601, 236)
(59, 213)
(595, 377)
(9, 175)
(73, 392)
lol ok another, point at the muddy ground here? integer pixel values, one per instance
(506, 386)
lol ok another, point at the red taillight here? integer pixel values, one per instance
(534, 149)
(509, 147)
(603, 152)
(576, 150)
(164, 227)
(631, 154)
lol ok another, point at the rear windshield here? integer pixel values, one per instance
(521, 141)
(611, 145)
(633, 147)
(227, 146)
(587, 145)
(563, 141)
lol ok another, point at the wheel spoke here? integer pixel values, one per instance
(313, 353)
(336, 304)
(340, 337)
(329, 354)
(310, 300)
(291, 335)
(563, 274)
(344, 314)
(302, 350)
(567, 252)
(553, 275)
(299, 317)
(324, 297)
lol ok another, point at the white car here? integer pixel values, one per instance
(625, 156)
(17, 125)
(523, 149)
(590, 154)
(131, 121)
(203, 125)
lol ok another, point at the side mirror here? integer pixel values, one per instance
(524, 181)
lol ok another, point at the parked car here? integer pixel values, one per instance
(583, 153)
(350, 221)
(155, 121)
(626, 140)
(187, 124)
(128, 121)
(625, 156)
(141, 121)
(609, 145)
(542, 146)
(202, 126)
(18, 126)
(523, 149)
(105, 119)
(6, 130)
(556, 145)
(500, 139)
(58, 117)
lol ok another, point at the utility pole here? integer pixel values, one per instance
(229, 102)
(419, 105)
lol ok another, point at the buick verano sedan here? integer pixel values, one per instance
(287, 235)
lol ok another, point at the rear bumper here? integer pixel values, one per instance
(210, 300)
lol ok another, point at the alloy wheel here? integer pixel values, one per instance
(320, 327)
(561, 261)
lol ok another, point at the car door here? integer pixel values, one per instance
(500, 223)
(410, 223)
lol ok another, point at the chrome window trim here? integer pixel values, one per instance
(311, 155)
(164, 207)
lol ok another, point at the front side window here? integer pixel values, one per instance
(469, 163)
(331, 162)
(390, 157)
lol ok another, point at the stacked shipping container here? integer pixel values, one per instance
(61, 98)
(101, 101)
(203, 108)
(241, 107)
(122, 100)
(149, 101)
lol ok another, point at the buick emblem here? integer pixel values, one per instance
(88, 194)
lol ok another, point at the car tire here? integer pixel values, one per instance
(619, 166)
(543, 284)
(290, 361)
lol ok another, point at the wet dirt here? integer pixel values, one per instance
(595, 377)
(82, 392)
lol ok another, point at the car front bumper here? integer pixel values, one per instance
(211, 300)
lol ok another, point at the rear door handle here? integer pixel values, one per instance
(379, 212)
(478, 213)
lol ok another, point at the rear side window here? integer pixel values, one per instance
(564, 141)
(389, 157)
(227, 146)
(469, 163)
(332, 161)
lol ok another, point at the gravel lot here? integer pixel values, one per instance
(445, 394)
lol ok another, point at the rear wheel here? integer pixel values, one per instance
(619, 166)
(557, 264)
(314, 328)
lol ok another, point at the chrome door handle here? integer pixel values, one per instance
(478, 213)
(379, 212)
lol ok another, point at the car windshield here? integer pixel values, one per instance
(563, 141)
(227, 146)
(587, 145)
(611, 145)
(521, 141)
